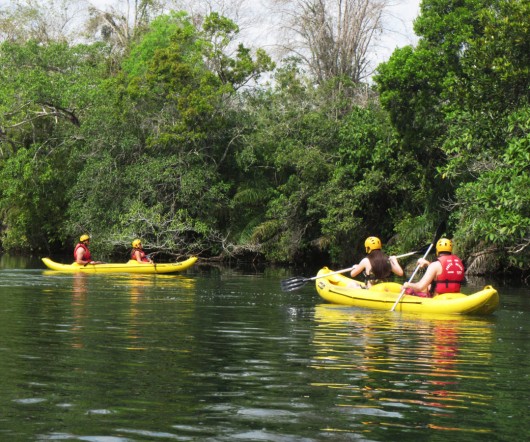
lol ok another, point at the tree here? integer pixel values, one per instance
(488, 144)
(324, 170)
(460, 99)
(120, 27)
(333, 37)
(45, 93)
(284, 159)
(44, 21)
(175, 124)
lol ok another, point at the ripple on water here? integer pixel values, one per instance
(29, 401)
(68, 436)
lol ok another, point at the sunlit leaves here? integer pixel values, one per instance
(471, 67)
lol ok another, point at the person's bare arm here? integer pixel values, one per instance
(396, 268)
(359, 268)
(79, 255)
(423, 284)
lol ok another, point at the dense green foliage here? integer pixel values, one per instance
(175, 141)
(461, 101)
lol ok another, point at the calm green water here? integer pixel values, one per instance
(223, 355)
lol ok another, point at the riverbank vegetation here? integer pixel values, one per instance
(173, 130)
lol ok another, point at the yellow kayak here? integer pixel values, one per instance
(336, 290)
(131, 266)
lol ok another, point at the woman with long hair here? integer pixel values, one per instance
(377, 266)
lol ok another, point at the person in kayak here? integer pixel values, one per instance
(377, 266)
(138, 253)
(82, 254)
(445, 275)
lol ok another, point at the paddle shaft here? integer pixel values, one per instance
(406, 254)
(329, 274)
(351, 268)
(411, 278)
(437, 236)
(295, 283)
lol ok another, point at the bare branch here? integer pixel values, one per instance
(333, 37)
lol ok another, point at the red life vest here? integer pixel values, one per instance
(86, 256)
(452, 275)
(143, 256)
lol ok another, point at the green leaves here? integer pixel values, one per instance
(460, 99)
(167, 140)
(497, 205)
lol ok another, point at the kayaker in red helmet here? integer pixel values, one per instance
(445, 275)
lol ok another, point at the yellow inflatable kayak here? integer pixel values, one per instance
(131, 266)
(337, 289)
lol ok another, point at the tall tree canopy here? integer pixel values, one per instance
(461, 100)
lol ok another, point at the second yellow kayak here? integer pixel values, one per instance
(131, 266)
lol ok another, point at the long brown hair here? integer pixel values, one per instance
(381, 267)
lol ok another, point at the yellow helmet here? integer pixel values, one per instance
(372, 243)
(444, 245)
(136, 243)
(84, 238)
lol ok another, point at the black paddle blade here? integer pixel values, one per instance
(423, 249)
(439, 231)
(294, 283)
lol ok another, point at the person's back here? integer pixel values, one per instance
(444, 275)
(377, 266)
(380, 265)
(451, 273)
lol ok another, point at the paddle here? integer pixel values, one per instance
(297, 282)
(437, 236)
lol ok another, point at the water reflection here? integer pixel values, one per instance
(393, 367)
(79, 308)
(141, 290)
(220, 356)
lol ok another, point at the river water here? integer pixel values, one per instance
(217, 354)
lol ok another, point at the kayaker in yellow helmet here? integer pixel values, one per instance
(82, 254)
(138, 253)
(377, 266)
(445, 275)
